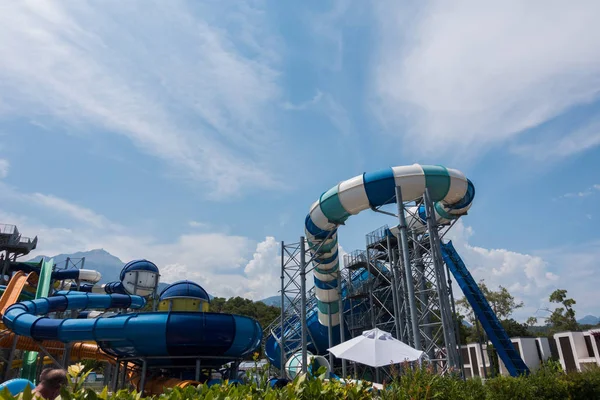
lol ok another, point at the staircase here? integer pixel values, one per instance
(496, 333)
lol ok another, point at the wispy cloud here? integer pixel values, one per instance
(199, 225)
(325, 104)
(471, 75)
(52, 204)
(179, 85)
(584, 193)
(560, 145)
(4, 167)
(304, 105)
(72, 210)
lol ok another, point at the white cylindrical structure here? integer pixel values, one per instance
(293, 366)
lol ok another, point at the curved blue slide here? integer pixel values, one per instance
(451, 192)
(212, 337)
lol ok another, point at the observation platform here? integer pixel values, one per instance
(13, 242)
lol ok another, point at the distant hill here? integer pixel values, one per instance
(99, 260)
(589, 320)
(274, 301)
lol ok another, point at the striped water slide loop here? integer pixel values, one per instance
(451, 192)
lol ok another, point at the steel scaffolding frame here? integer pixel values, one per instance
(405, 289)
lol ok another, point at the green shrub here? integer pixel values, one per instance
(549, 382)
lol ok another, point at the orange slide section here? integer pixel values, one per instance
(13, 290)
(157, 385)
(79, 350)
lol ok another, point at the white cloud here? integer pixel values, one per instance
(579, 261)
(327, 105)
(304, 105)
(174, 82)
(558, 146)
(584, 193)
(4, 167)
(73, 210)
(197, 224)
(264, 270)
(527, 277)
(463, 75)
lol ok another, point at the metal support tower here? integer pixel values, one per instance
(290, 328)
(432, 291)
(12, 246)
(408, 286)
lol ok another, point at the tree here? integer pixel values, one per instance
(531, 321)
(502, 302)
(562, 318)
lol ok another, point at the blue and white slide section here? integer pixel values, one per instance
(451, 192)
(220, 337)
(84, 275)
(139, 277)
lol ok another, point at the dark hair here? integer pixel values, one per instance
(53, 378)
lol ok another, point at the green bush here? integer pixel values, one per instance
(550, 382)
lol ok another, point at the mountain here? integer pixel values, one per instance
(589, 320)
(274, 301)
(99, 260)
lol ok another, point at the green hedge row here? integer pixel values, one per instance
(548, 383)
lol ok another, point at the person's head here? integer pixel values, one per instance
(51, 380)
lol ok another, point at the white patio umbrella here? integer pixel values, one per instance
(376, 348)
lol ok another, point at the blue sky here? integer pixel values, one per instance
(197, 134)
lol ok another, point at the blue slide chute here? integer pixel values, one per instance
(496, 333)
(219, 337)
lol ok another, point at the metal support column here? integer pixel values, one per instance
(394, 289)
(67, 355)
(330, 333)
(197, 375)
(107, 373)
(143, 377)
(445, 310)
(303, 303)
(341, 307)
(416, 339)
(115, 377)
(281, 335)
(11, 358)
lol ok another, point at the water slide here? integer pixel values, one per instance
(12, 292)
(43, 289)
(85, 275)
(79, 350)
(152, 334)
(24, 295)
(494, 330)
(451, 192)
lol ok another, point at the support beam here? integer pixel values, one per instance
(341, 307)
(444, 303)
(394, 288)
(143, 377)
(303, 303)
(47, 354)
(281, 335)
(416, 339)
(198, 368)
(11, 358)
